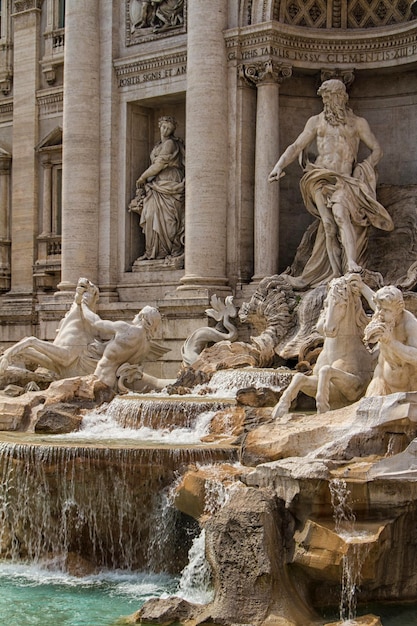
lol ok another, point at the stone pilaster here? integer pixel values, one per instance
(26, 27)
(267, 77)
(207, 147)
(5, 162)
(81, 143)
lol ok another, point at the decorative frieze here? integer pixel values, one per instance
(303, 48)
(149, 70)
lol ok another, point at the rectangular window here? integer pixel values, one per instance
(57, 200)
(61, 13)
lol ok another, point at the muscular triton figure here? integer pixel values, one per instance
(335, 188)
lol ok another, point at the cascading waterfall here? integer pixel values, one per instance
(100, 503)
(229, 381)
(195, 583)
(160, 412)
(357, 548)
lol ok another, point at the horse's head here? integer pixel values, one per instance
(335, 307)
(87, 292)
(342, 306)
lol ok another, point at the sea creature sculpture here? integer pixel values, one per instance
(344, 367)
(202, 337)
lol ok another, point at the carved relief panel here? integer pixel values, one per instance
(150, 19)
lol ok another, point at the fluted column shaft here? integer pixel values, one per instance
(267, 77)
(81, 126)
(206, 145)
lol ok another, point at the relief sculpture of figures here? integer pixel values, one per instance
(160, 15)
(336, 189)
(160, 196)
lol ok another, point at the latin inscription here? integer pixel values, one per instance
(150, 76)
(354, 57)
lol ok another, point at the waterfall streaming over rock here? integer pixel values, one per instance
(109, 505)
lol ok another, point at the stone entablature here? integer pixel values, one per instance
(139, 70)
(317, 49)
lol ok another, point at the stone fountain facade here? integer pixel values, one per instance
(227, 86)
(81, 95)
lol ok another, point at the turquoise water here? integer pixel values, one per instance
(31, 596)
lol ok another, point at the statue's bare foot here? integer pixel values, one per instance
(296, 282)
(354, 267)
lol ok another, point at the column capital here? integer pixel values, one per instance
(264, 72)
(346, 76)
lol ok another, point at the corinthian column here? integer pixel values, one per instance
(206, 140)
(80, 167)
(267, 77)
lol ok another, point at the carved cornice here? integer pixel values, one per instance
(20, 6)
(317, 49)
(264, 72)
(164, 67)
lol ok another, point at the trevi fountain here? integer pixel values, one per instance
(273, 481)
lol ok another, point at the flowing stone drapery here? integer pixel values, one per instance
(81, 133)
(207, 147)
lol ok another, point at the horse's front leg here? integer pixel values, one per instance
(31, 346)
(350, 385)
(19, 347)
(300, 382)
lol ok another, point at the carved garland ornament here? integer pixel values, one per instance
(26, 5)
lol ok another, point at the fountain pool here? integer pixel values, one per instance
(30, 595)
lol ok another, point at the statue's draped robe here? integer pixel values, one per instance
(162, 217)
(357, 195)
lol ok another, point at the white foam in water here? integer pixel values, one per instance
(132, 584)
(101, 425)
(195, 583)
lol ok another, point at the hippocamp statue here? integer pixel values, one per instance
(344, 367)
(73, 351)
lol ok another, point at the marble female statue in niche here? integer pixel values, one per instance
(160, 196)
